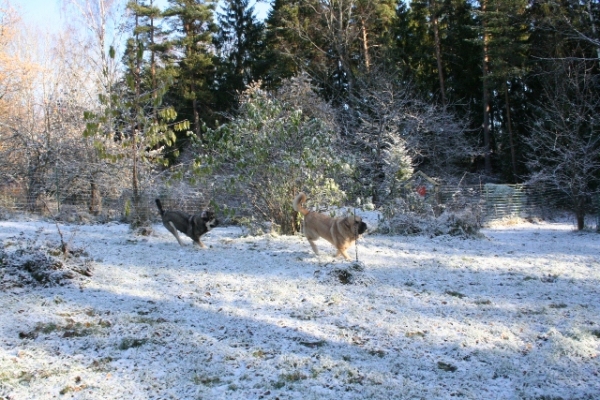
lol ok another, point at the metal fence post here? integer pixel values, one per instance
(57, 183)
(598, 214)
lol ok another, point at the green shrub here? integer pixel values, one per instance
(277, 146)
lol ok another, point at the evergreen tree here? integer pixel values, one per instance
(134, 118)
(436, 49)
(153, 38)
(240, 43)
(286, 50)
(437, 53)
(334, 41)
(192, 27)
(461, 60)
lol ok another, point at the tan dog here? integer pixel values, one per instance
(340, 232)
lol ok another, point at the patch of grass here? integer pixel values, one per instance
(104, 323)
(206, 380)
(101, 364)
(74, 389)
(540, 311)
(559, 305)
(446, 367)
(485, 302)
(344, 276)
(355, 377)
(303, 316)
(5, 376)
(148, 320)
(69, 330)
(258, 353)
(46, 328)
(128, 343)
(596, 332)
(455, 294)
(378, 353)
(317, 343)
(415, 334)
(79, 329)
(295, 376)
(278, 384)
(25, 377)
(550, 278)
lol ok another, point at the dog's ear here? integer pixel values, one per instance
(349, 221)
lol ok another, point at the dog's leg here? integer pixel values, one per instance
(314, 246)
(342, 251)
(173, 230)
(199, 243)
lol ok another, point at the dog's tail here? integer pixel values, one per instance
(297, 204)
(160, 209)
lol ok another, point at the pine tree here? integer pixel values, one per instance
(135, 122)
(240, 43)
(192, 26)
(149, 32)
(334, 41)
(286, 50)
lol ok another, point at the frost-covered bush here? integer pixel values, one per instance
(26, 263)
(397, 167)
(458, 223)
(400, 219)
(277, 146)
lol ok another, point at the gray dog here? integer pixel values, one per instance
(192, 226)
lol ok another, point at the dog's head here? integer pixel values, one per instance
(202, 223)
(357, 225)
(210, 220)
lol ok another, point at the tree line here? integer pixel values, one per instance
(501, 90)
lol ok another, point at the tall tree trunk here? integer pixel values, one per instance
(197, 127)
(486, 96)
(153, 67)
(95, 198)
(511, 139)
(34, 190)
(580, 212)
(365, 42)
(135, 126)
(438, 50)
(593, 22)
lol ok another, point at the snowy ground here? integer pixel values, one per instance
(513, 315)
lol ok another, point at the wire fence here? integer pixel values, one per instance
(501, 201)
(493, 202)
(100, 204)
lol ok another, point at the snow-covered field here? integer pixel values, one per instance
(512, 315)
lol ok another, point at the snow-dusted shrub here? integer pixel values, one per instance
(403, 224)
(73, 214)
(26, 263)
(277, 146)
(398, 219)
(404, 216)
(457, 223)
